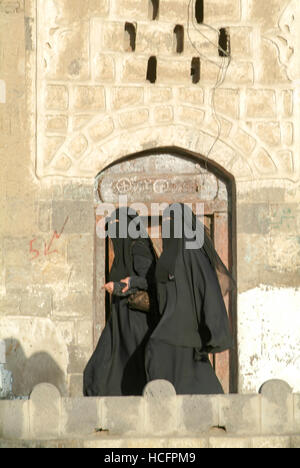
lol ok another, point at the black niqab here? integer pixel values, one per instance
(198, 316)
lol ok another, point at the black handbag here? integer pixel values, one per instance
(140, 300)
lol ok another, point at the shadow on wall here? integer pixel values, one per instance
(29, 372)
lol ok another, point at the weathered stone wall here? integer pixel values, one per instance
(74, 98)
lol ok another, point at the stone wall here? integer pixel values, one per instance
(159, 418)
(74, 98)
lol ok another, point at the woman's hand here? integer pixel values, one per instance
(126, 281)
(109, 287)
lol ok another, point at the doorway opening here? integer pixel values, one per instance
(169, 175)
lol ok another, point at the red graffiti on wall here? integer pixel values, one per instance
(47, 248)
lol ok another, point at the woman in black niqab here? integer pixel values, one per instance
(191, 281)
(117, 366)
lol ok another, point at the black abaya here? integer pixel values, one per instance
(193, 321)
(117, 366)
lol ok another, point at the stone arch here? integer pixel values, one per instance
(104, 141)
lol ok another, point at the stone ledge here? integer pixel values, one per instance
(159, 412)
(160, 442)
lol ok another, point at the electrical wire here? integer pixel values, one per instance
(223, 68)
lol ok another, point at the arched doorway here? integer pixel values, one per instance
(168, 175)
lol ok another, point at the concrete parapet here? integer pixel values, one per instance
(222, 420)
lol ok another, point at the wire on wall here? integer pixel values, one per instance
(225, 60)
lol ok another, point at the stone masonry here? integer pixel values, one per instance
(79, 92)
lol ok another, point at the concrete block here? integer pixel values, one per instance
(122, 415)
(197, 413)
(45, 411)
(240, 414)
(296, 412)
(160, 408)
(276, 407)
(271, 442)
(228, 442)
(14, 418)
(295, 441)
(80, 416)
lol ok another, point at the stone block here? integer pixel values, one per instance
(260, 103)
(240, 414)
(160, 408)
(78, 358)
(197, 413)
(228, 442)
(134, 69)
(295, 442)
(287, 100)
(241, 41)
(276, 407)
(191, 96)
(70, 11)
(271, 442)
(57, 97)
(266, 15)
(76, 217)
(10, 303)
(45, 412)
(173, 71)
(16, 277)
(132, 9)
(296, 412)
(227, 10)
(80, 249)
(80, 416)
(38, 303)
(163, 114)
(253, 218)
(14, 419)
(101, 129)
(113, 36)
(240, 73)
(173, 11)
(78, 192)
(75, 304)
(123, 415)
(124, 97)
(227, 102)
(244, 141)
(103, 68)
(191, 115)
(269, 132)
(159, 94)
(67, 58)
(89, 98)
(44, 215)
(134, 118)
(155, 38)
(75, 385)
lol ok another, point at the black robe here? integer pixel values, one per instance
(193, 321)
(117, 366)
